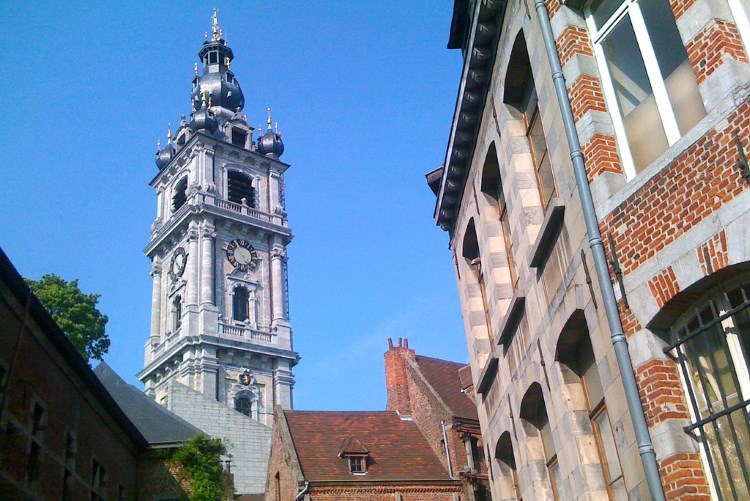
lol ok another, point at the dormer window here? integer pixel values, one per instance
(357, 465)
(239, 137)
(355, 454)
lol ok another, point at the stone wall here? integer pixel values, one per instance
(248, 440)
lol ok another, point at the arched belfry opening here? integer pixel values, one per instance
(179, 197)
(240, 187)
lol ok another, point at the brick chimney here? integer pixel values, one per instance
(395, 376)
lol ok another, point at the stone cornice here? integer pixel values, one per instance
(479, 60)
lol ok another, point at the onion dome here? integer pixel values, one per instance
(163, 156)
(217, 82)
(203, 119)
(270, 143)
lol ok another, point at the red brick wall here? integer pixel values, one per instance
(701, 180)
(395, 376)
(42, 374)
(281, 462)
(383, 493)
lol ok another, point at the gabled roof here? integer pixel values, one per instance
(157, 424)
(444, 377)
(352, 446)
(397, 449)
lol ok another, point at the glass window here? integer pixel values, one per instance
(538, 144)
(240, 304)
(711, 344)
(243, 405)
(648, 80)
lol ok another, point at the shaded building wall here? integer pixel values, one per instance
(43, 378)
(679, 225)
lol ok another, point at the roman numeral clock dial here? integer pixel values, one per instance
(242, 255)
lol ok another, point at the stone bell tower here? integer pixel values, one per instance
(219, 306)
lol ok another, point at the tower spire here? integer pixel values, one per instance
(269, 121)
(215, 25)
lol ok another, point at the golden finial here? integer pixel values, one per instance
(205, 35)
(169, 133)
(158, 144)
(195, 69)
(228, 62)
(209, 100)
(215, 26)
(203, 95)
(269, 121)
(277, 128)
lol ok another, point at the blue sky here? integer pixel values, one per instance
(363, 93)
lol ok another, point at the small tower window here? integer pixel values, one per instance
(241, 186)
(177, 312)
(239, 137)
(240, 304)
(180, 194)
(213, 57)
(243, 405)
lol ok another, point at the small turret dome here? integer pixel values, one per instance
(164, 156)
(204, 119)
(270, 143)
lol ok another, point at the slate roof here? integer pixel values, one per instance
(157, 424)
(397, 449)
(444, 377)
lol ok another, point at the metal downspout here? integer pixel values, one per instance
(303, 491)
(619, 341)
(447, 451)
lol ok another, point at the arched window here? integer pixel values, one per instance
(506, 462)
(179, 198)
(240, 187)
(711, 341)
(240, 302)
(177, 312)
(492, 187)
(576, 356)
(471, 254)
(520, 93)
(537, 428)
(243, 405)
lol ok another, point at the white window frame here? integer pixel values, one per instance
(668, 119)
(740, 14)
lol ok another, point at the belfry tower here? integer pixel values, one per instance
(219, 311)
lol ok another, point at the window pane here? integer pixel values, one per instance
(608, 446)
(602, 10)
(632, 88)
(673, 63)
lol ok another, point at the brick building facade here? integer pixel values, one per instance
(425, 446)
(62, 434)
(658, 94)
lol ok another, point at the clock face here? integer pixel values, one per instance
(179, 259)
(242, 255)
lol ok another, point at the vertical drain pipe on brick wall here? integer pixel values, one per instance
(620, 343)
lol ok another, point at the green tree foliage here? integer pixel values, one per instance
(75, 312)
(199, 461)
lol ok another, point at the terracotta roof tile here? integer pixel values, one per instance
(397, 449)
(444, 377)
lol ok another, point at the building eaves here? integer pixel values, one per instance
(479, 59)
(49, 328)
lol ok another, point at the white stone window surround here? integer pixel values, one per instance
(632, 10)
(234, 283)
(741, 12)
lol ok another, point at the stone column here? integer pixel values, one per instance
(278, 256)
(207, 265)
(156, 297)
(193, 266)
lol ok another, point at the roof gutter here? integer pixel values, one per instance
(447, 451)
(619, 341)
(304, 490)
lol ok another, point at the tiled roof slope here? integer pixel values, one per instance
(398, 450)
(157, 424)
(444, 377)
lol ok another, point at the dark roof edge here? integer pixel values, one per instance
(469, 110)
(16, 284)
